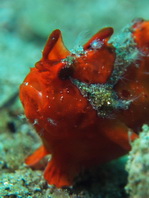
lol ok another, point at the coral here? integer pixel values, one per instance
(138, 166)
(10, 142)
(22, 183)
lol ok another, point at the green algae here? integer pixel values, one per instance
(102, 97)
(126, 53)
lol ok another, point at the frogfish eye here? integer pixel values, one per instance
(66, 72)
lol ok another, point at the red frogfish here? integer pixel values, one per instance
(83, 103)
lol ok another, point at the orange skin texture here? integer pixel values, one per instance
(71, 131)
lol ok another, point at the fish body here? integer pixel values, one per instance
(84, 103)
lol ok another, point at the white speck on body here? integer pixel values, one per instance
(35, 122)
(40, 94)
(96, 44)
(61, 98)
(25, 83)
(51, 121)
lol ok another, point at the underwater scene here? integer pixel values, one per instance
(74, 102)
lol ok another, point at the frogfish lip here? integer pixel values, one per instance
(31, 97)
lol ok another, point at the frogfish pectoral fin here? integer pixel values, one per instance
(36, 156)
(119, 133)
(60, 175)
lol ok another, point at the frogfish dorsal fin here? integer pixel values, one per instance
(54, 48)
(101, 35)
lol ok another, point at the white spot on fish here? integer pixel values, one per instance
(25, 83)
(61, 98)
(35, 122)
(51, 121)
(96, 44)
